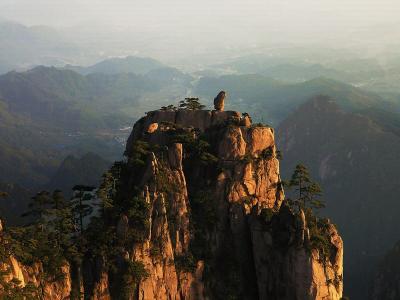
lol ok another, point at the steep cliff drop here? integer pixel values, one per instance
(197, 211)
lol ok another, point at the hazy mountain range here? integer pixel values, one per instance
(46, 46)
(375, 68)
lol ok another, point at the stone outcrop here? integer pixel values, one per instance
(219, 101)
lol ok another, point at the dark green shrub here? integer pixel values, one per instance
(138, 155)
(133, 272)
(266, 214)
(267, 153)
(168, 107)
(185, 262)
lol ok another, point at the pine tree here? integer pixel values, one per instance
(106, 192)
(140, 150)
(38, 207)
(308, 192)
(58, 201)
(79, 204)
(62, 223)
(108, 188)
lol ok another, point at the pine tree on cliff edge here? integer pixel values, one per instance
(308, 192)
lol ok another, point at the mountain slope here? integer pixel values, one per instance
(86, 170)
(356, 161)
(25, 150)
(386, 280)
(71, 99)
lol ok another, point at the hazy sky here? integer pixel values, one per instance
(199, 26)
(227, 13)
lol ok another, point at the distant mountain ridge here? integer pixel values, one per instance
(116, 65)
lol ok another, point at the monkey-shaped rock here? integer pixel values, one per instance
(219, 101)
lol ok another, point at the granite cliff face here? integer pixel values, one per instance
(199, 213)
(213, 215)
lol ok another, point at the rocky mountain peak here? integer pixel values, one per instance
(228, 196)
(197, 211)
